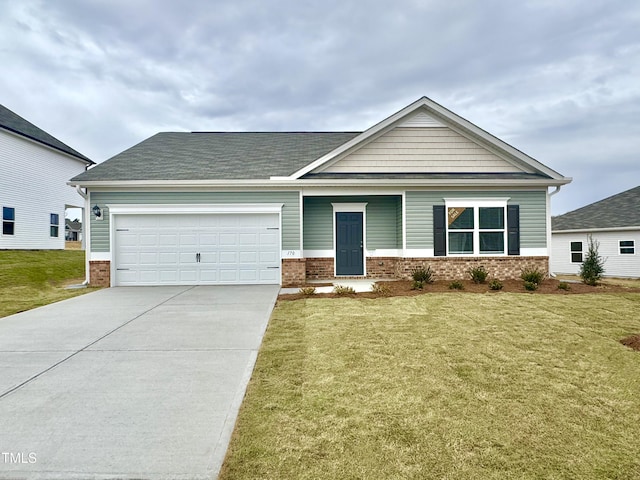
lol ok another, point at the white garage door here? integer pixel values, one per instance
(196, 249)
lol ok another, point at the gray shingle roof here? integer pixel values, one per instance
(618, 211)
(16, 124)
(217, 156)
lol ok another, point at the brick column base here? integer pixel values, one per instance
(100, 273)
(294, 272)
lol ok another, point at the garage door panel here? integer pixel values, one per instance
(248, 239)
(248, 257)
(188, 274)
(188, 239)
(208, 240)
(128, 258)
(187, 221)
(209, 275)
(148, 276)
(269, 238)
(248, 275)
(209, 258)
(228, 258)
(269, 275)
(168, 240)
(168, 276)
(148, 258)
(228, 238)
(271, 258)
(161, 249)
(145, 221)
(127, 239)
(228, 275)
(148, 240)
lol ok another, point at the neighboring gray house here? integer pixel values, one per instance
(33, 186)
(614, 222)
(73, 230)
(423, 186)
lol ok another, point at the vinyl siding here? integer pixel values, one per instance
(290, 210)
(422, 150)
(34, 182)
(419, 208)
(615, 265)
(382, 221)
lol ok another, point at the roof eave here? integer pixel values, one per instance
(281, 182)
(596, 230)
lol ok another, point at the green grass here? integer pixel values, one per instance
(446, 386)
(32, 278)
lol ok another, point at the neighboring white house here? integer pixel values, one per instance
(614, 222)
(33, 186)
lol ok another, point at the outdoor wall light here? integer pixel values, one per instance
(96, 211)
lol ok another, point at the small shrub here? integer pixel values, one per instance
(422, 274)
(531, 286)
(496, 285)
(564, 286)
(307, 291)
(592, 268)
(417, 285)
(532, 275)
(456, 285)
(478, 274)
(381, 289)
(343, 290)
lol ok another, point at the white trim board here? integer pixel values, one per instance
(119, 209)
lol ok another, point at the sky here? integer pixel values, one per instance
(559, 80)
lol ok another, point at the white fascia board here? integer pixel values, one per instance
(195, 209)
(174, 183)
(295, 184)
(596, 230)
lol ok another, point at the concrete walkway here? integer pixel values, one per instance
(127, 383)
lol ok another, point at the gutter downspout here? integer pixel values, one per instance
(85, 232)
(549, 195)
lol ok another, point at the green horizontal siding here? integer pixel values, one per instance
(533, 220)
(290, 210)
(382, 222)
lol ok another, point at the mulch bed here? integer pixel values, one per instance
(402, 288)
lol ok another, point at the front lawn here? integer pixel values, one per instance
(32, 278)
(445, 385)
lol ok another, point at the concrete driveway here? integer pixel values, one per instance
(139, 382)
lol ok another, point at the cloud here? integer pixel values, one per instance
(556, 79)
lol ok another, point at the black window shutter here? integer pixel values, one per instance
(439, 231)
(513, 229)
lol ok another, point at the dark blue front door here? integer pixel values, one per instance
(349, 247)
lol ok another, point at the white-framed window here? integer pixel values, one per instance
(576, 252)
(8, 220)
(54, 224)
(627, 247)
(476, 227)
